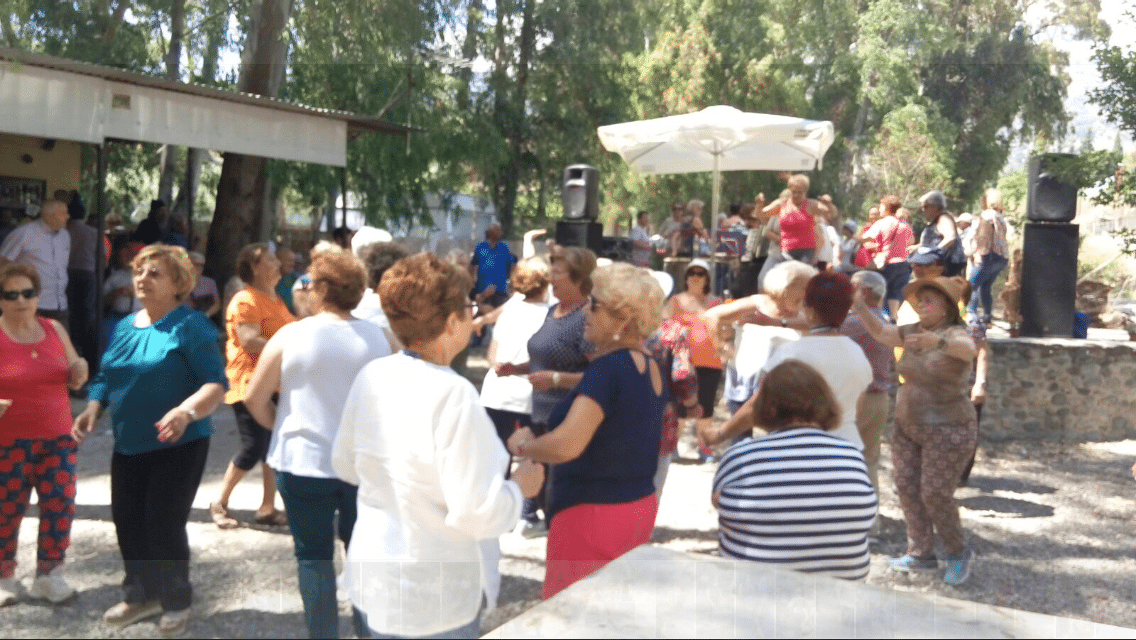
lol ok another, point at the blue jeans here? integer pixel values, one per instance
(981, 282)
(312, 504)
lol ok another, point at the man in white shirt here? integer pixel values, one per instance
(44, 244)
(641, 241)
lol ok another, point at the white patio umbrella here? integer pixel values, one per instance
(719, 139)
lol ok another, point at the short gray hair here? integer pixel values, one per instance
(784, 275)
(935, 199)
(873, 282)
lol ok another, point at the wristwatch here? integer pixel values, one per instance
(192, 413)
(556, 379)
(785, 322)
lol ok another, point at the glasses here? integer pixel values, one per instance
(15, 295)
(697, 272)
(593, 304)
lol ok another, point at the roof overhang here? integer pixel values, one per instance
(50, 97)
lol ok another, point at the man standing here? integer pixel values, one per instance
(490, 267)
(641, 241)
(44, 244)
(673, 225)
(941, 232)
(81, 281)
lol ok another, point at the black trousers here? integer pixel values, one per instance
(150, 496)
(81, 304)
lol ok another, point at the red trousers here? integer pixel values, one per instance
(584, 538)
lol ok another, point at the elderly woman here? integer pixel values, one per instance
(800, 497)
(509, 399)
(37, 365)
(841, 362)
(308, 361)
(688, 307)
(768, 320)
(161, 376)
(935, 424)
(429, 467)
(888, 239)
(558, 351)
(604, 436)
(254, 315)
(990, 256)
(801, 220)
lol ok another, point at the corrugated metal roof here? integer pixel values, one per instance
(356, 124)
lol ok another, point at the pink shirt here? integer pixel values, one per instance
(893, 236)
(798, 228)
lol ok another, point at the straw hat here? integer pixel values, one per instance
(955, 289)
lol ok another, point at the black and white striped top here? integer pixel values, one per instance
(798, 498)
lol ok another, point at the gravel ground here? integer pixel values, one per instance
(1051, 524)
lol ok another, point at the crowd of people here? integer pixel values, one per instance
(342, 381)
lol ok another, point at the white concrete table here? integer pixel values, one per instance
(657, 593)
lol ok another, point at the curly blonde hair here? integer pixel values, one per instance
(530, 277)
(631, 293)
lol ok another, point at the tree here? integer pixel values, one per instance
(242, 194)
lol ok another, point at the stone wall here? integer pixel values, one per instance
(1060, 389)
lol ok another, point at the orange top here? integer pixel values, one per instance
(249, 306)
(702, 352)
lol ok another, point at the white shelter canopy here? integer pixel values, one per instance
(48, 97)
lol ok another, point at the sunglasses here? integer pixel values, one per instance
(697, 272)
(15, 295)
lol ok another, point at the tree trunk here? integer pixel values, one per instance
(241, 193)
(173, 72)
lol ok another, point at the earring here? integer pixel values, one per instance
(616, 337)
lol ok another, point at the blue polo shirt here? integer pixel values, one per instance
(493, 265)
(147, 371)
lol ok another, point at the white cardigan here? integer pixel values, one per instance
(431, 477)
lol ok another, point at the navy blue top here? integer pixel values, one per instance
(558, 345)
(492, 266)
(619, 463)
(146, 372)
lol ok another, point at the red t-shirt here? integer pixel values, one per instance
(798, 228)
(893, 236)
(34, 377)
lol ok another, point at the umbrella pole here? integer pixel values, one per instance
(717, 182)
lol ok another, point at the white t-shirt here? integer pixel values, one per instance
(370, 308)
(321, 355)
(518, 322)
(640, 257)
(842, 364)
(431, 477)
(831, 241)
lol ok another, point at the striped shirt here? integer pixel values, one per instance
(800, 499)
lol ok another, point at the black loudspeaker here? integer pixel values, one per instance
(580, 233)
(1049, 279)
(580, 192)
(1049, 199)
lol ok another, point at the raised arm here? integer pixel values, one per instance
(887, 334)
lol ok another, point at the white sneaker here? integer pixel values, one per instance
(9, 591)
(52, 587)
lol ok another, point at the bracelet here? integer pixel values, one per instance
(556, 379)
(191, 412)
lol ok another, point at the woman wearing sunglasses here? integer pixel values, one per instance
(604, 436)
(37, 365)
(687, 308)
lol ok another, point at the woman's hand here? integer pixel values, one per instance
(921, 341)
(172, 425)
(519, 439)
(541, 380)
(85, 422)
(529, 476)
(508, 369)
(79, 373)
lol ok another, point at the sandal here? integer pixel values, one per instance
(273, 519)
(221, 516)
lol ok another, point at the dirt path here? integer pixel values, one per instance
(1052, 526)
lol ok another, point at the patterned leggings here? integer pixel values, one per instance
(49, 466)
(929, 460)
